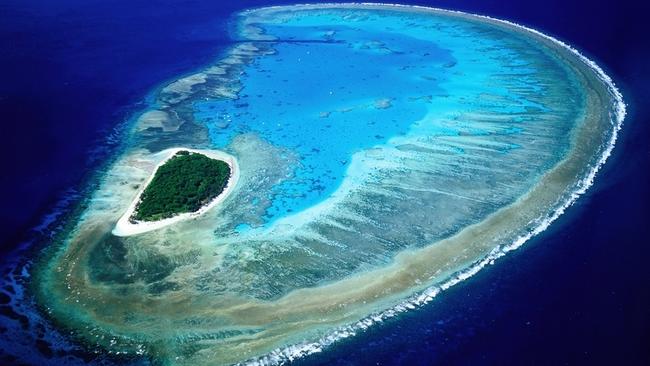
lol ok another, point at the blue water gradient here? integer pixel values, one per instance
(327, 105)
(353, 87)
(561, 300)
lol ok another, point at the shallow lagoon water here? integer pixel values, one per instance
(383, 151)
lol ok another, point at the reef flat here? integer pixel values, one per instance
(385, 153)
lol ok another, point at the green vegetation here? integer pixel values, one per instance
(184, 183)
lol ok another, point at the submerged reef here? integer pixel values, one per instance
(384, 153)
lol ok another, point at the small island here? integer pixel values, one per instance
(184, 185)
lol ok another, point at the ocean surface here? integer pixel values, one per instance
(76, 72)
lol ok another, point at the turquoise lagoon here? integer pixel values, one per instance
(386, 153)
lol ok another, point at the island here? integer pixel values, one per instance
(185, 184)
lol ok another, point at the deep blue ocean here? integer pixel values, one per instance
(72, 72)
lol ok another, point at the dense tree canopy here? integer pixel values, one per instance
(182, 184)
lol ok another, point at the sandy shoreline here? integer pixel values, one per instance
(125, 228)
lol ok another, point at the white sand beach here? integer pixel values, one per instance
(125, 227)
